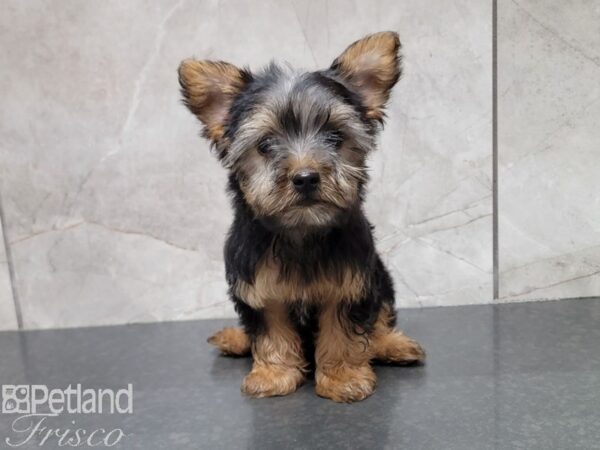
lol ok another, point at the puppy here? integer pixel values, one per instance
(303, 273)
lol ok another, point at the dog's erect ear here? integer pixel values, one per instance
(208, 89)
(371, 67)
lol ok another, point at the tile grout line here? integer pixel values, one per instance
(496, 256)
(11, 270)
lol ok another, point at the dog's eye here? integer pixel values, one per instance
(334, 139)
(265, 146)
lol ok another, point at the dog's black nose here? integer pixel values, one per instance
(306, 181)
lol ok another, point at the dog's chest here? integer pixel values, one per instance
(272, 284)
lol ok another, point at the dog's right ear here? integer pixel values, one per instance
(208, 89)
(371, 67)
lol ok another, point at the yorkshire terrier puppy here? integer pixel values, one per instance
(310, 289)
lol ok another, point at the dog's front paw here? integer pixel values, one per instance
(271, 380)
(346, 384)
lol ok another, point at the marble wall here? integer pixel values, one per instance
(8, 318)
(549, 142)
(115, 210)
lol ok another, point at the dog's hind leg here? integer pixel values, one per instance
(391, 346)
(231, 341)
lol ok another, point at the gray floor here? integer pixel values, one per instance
(504, 377)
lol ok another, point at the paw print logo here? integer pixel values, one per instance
(15, 399)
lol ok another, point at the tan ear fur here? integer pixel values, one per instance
(208, 89)
(372, 66)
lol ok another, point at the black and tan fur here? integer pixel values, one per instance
(303, 272)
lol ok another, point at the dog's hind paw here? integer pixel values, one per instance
(396, 348)
(231, 341)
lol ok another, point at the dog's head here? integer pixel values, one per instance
(296, 142)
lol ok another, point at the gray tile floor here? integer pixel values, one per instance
(503, 377)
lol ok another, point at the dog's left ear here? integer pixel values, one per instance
(371, 67)
(208, 89)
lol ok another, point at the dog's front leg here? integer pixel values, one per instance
(279, 366)
(342, 356)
